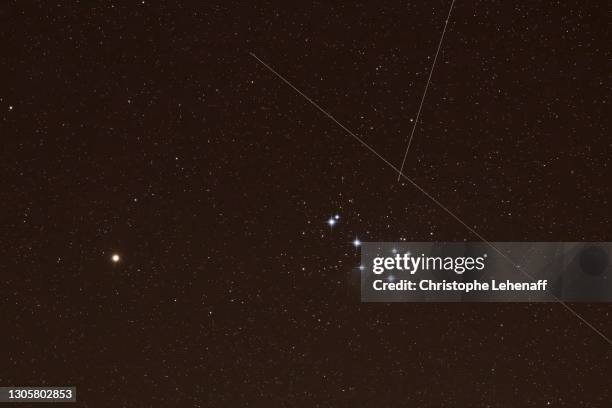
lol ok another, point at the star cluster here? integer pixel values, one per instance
(181, 228)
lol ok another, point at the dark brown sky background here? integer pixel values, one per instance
(147, 129)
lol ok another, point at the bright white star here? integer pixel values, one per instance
(356, 243)
(332, 221)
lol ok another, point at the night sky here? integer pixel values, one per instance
(146, 130)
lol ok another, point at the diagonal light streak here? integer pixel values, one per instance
(432, 198)
(416, 121)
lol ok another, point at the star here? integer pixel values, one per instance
(332, 221)
(115, 258)
(356, 243)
